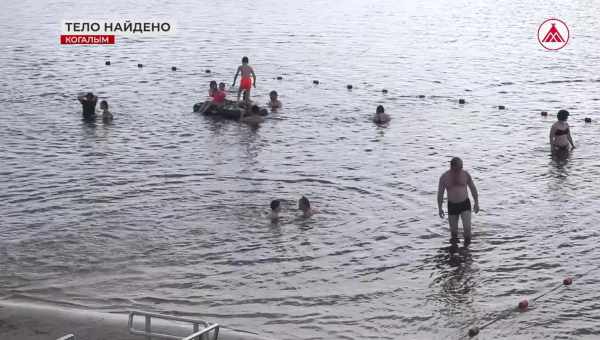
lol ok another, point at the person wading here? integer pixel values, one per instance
(455, 181)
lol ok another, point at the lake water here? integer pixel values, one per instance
(163, 210)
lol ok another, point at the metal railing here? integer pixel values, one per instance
(67, 337)
(198, 334)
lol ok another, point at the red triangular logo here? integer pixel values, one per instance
(553, 35)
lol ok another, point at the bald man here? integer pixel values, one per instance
(455, 181)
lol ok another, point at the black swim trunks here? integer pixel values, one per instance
(457, 208)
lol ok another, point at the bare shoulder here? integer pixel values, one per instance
(443, 177)
(468, 175)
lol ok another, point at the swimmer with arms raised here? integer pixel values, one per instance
(560, 135)
(455, 181)
(88, 103)
(246, 82)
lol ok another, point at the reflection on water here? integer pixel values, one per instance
(165, 209)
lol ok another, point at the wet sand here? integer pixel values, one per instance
(24, 320)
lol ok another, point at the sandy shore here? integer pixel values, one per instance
(24, 320)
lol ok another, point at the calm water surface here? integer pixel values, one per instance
(163, 210)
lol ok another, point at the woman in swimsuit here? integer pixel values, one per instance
(560, 135)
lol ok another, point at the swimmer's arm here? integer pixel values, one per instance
(570, 139)
(552, 131)
(440, 194)
(236, 75)
(473, 189)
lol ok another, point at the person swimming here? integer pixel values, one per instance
(246, 81)
(274, 103)
(560, 134)
(88, 103)
(304, 206)
(107, 117)
(380, 116)
(275, 209)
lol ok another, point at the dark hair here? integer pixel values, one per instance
(221, 84)
(89, 94)
(275, 204)
(304, 201)
(244, 60)
(213, 83)
(105, 103)
(273, 93)
(455, 161)
(380, 109)
(562, 115)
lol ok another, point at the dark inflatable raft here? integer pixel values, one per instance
(227, 111)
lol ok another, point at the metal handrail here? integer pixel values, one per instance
(67, 337)
(207, 327)
(204, 331)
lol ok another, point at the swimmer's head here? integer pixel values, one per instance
(255, 110)
(245, 60)
(562, 115)
(456, 164)
(380, 109)
(89, 96)
(222, 86)
(275, 205)
(273, 95)
(303, 204)
(103, 105)
(213, 84)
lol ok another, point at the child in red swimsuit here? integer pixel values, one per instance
(219, 95)
(246, 82)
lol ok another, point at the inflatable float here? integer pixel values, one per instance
(231, 110)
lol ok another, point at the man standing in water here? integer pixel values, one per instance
(455, 181)
(88, 103)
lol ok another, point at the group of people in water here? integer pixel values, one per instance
(88, 103)
(303, 206)
(454, 182)
(249, 113)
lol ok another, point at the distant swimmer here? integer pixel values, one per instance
(380, 116)
(252, 116)
(455, 182)
(560, 135)
(274, 103)
(304, 206)
(246, 82)
(88, 103)
(107, 117)
(275, 209)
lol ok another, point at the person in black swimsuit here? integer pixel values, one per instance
(88, 103)
(560, 134)
(455, 182)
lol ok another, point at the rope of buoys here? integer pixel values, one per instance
(523, 305)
